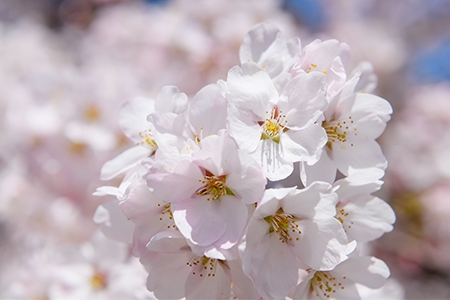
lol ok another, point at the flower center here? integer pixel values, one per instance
(204, 266)
(167, 216)
(341, 216)
(284, 225)
(98, 281)
(339, 130)
(274, 125)
(214, 187)
(92, 113)
(147, 139)
(199, 136)
(324, 284)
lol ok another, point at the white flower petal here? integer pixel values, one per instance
(270, 202)
(106, 190)
(368, 218)
(369, 112)
(244, 128)
(251, 90)
(265, 45)
(364, 181)
(362, 155)
(133, 117)
(315, 201)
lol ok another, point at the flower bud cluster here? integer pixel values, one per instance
(195, 187)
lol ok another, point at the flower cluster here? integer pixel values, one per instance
(195, 190)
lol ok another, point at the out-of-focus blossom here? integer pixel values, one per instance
(98, 269)
(423, 129)
(340, 283)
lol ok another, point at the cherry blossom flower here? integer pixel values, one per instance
(364, 217)
(175, 133)
(289, 229)
(352, 121)
(133, 121)
(328, 57)
(276, 129)
(212, 190)
(176, 272)
(340, 283)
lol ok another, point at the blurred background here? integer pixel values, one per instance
(66, 67)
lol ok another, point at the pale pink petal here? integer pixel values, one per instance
(363, 154)
(243, 287)
(199, 220)
(365, 181)
(251, 90)
(171, 100)
(209, 287)
(322, 243)
(369, 271)
(270, 203)
(346, 91)
(322, 54)
(180, 183)
(124, 161)
(148, 214)
(169, 241)
(217, 155)
(369, 113)
(207, 100)
(303, 100)
(255, 232)
(304, 144)
(367, 218)
(265, 45)
(171, 131)
(168, 275)
(113, 223)
(277, 271)
(304, 288)
(236, 214)
(315, 201)
(133, 117)
(257, 41)
(250, 172)
(323, 170)
(336, 77)
(244, 128)
(106, 190)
